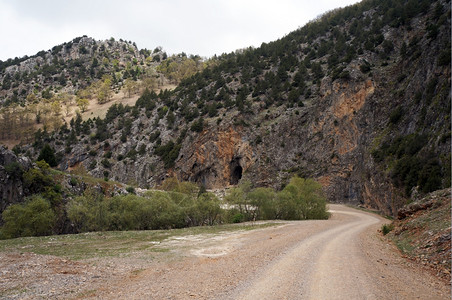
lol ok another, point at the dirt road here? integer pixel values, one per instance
(344, 257)
(341, 258)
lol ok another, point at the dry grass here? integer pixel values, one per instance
(100, 110)
(114, 243)
(94, 110)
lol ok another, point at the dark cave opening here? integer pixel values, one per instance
(236, 175)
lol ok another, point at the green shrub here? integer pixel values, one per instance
(93, 165)
(238, 199)
(37, 179)
(411, 163)
(73, 181)
(309, 198)
(142, 149)
(154, 136)
(169, 153)
(287, 206)
(258, 139)
(237, 218)
(207, 208)
(396, 115)
(130, 190)
(132, 154)
(86, 212)
(128, 212)
(123, 137)
(300, 199)
(165, 213)
(35, 217)
(198, 125)
(106, 163)
(365, 68)
(387, 228)
(430, 176)
(93, 212)
(14, 169)
(264, 201)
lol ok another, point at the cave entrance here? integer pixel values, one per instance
(236, 172)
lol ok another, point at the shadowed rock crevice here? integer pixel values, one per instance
(204, 176)
(236, 172)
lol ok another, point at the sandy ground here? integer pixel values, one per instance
(344, 257)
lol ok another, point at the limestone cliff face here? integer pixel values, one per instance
(342, 133)
(216, 158)
(322, 141)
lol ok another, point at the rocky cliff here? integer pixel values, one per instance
(11, 183)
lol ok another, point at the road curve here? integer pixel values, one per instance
(334, 264)
(344, 257)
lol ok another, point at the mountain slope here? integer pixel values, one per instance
(359, 99)
(47, 89)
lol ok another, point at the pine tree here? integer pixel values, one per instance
(48, 155)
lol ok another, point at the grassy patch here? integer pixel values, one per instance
(436, 220)
(405, 244)
(4, 293)
(85, 294)
(376, 212)
(113, 243)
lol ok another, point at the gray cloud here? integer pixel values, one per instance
(198, 26)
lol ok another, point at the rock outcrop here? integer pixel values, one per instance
(422, 231)
(217, 158)
(11, 183)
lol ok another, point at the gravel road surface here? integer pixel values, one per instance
(344, 257)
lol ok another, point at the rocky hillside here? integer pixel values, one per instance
(70, 67)
(47, 89)
(422, 232)
(358, 99)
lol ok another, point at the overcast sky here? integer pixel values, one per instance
(204, 27)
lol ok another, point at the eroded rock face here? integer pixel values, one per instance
(324, 140)
(11, 185)
(343, 137)
(217, 158)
